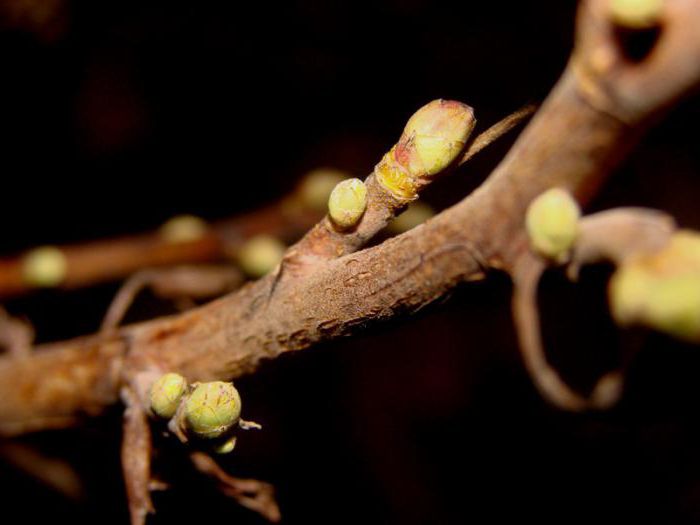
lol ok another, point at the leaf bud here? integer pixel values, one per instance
(434, 136)
(347, 203)
(661, 290)
(44, 267)
(183, 228)
(212, 408)
(317, 186)
(260, 255)
(226, 447)
(166, 393)
(416, 213)
(551, 222)
(431, 141)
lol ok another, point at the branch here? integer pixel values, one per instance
(591, 118)
(615, 236)
(325, 241)
(95, 262)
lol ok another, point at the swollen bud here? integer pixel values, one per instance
(416, 213)
(259, 255)
(431, 141)
(435, 135)
(212, 409)
(226, 447)
(317, 186)
(347, 203)
(183, 228)
(166, 393)
(552, 223)
(44, 267)
(636, 14)
(662, 290)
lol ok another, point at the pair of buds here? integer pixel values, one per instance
(430, 143)
(660, 290)
(210, 410)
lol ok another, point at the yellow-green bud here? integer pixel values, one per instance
(662, 290)
(183, 228)
(212, 408)
(674, 306)
(166, 393)
(552, 223)
(431, 141)
(347, 202)
(629, 290)
(318, 185)
(435, 135)
(636, 14)
(226, 447)
(260, 255)
(416, 213)
(44, 267)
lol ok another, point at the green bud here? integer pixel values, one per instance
(674, 306)
(212, 408)
(552, 223)
(431, 141)
(435, 135)
(636, 14)
(416, 213)
(260, 255)
(629, 291)
(226, 447)
(166, 393)
(662, 290)
(317, 186)
(44, 267)
(347, 202)
(183, 228)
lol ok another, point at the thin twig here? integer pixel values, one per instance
(496, 131)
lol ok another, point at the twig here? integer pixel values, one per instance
(109, 260)
(191, 282)
(252, 494)
(615, 236)
(53, 472)
(136, 458)
(496, 131)
(324, 241)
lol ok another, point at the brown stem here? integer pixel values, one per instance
(613, 235)
(113, 259)
(253, 494)
(181, 282)
(500, 128)
(136, 458)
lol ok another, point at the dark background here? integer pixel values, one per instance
(116, 115)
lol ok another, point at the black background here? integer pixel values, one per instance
(121, 114)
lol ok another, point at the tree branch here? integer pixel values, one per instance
(590, 120)
(108, 260)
